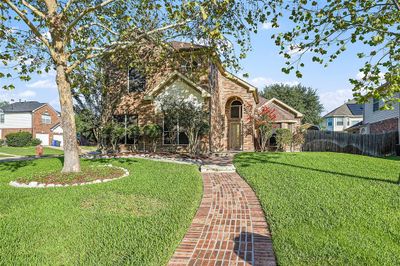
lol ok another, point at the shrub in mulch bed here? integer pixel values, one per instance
(87, 174)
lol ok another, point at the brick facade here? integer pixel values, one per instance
(40, 128)
(384, 126)
(6, 131)
(224, 88)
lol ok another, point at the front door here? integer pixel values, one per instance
(235, 136)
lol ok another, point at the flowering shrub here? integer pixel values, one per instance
(263, 119)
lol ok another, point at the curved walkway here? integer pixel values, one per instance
(229, 227)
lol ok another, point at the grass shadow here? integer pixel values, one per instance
(13, 166)
(248, 161)
(254, 249)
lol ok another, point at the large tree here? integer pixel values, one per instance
(303, 99)
(325, 29)
(63, 35)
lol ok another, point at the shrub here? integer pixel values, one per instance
(35, 142)
(19, 139)
(283, 138)
(152, 132)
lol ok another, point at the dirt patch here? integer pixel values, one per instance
(87, 174)
(120, 204)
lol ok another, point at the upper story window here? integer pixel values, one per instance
(339, 121)
(136, 81)
(190, 66)
(46, 118)
(1, 117)
(236, 109)
(375, 105)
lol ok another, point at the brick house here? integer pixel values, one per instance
(228, 100)
(380, 121)
(39, 119)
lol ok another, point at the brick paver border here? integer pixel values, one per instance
(229, 227)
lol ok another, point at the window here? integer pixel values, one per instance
(126, 120)
(329, 122)
(339, 121)
(375, 105)
(236, 109)
(46, 118)
(136, 81)
(188, 67)
(173, 133)
(1, 117)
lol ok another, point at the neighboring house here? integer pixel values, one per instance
(380, 121)
(37, 118)
(228, 100)
(343, 117)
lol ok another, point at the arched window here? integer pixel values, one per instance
(236, 109)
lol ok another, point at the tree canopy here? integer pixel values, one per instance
(325, 29)
(37, 36)
(303, 99)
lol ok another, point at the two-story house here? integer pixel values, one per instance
(380, 121)
(229, 101)
(343, 117)
(39, 119)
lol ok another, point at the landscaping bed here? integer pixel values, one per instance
(328, 208)
(87, 174)
(137, 220)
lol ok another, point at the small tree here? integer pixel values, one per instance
(283, 138)
(264, 118)
(298, 137)
(134, 132)
(117, 134)
(152, 132)
(192, 119)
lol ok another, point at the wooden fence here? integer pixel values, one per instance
(366, 144)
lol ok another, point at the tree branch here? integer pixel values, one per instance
(397, 4)
(85, 12)
(36, 11)
(29, 24)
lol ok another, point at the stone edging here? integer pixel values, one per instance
(35, 184)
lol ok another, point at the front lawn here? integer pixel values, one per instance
(328, 208)
(29, 151)
(136, 220)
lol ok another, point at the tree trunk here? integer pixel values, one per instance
(71, 153)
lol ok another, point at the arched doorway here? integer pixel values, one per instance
(235, 112)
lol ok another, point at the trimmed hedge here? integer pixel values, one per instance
(21, 139)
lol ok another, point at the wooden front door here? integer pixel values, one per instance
(235, 136)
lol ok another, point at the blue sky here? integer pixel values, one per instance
(263, 64)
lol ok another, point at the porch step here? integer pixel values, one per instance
(214, 168)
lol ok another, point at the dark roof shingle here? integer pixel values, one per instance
(21, 107)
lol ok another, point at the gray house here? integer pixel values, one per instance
(343, 117)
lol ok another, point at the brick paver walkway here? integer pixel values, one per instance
(229, 227)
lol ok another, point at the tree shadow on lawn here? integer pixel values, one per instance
(247, 161)
(13, 166)
(254, 249)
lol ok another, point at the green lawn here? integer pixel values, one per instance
(137, 220)
(28, 151)
(328, 208)
(89, 148)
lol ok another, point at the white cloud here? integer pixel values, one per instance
(261, 82)
(27, 94)
(333, 99)
(360, 76)
(266, 26)
(43, 84)
(293, 50)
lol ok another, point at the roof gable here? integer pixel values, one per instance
(171, 78)
(347, 109)
(282, 104)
